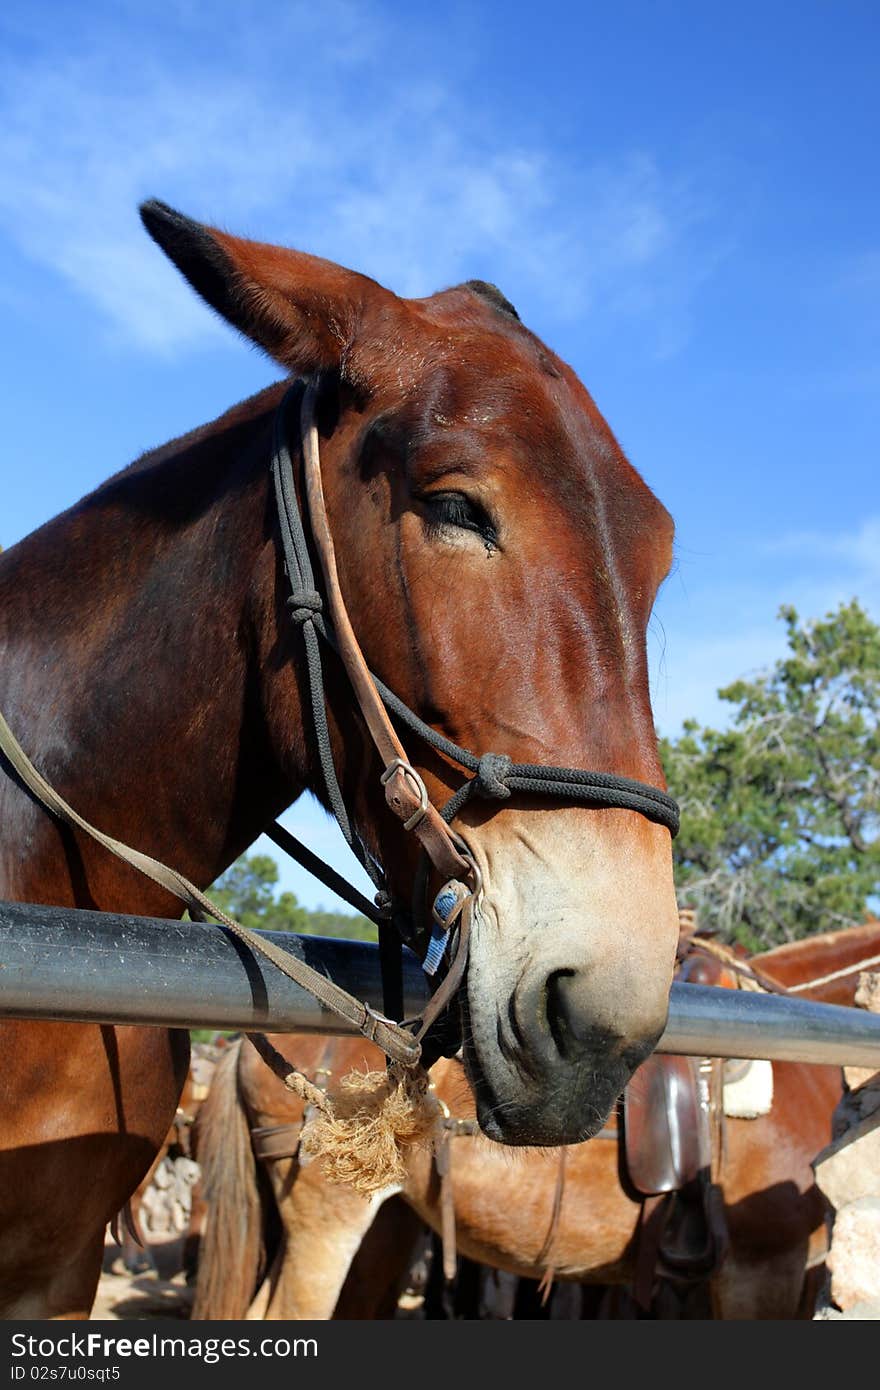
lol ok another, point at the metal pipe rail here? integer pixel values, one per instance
(71, 965)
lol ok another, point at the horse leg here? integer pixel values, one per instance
(379, 1270)
(87, 1109)
(258, 1310)
(324, 1224)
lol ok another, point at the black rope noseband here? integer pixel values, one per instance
(495, 777)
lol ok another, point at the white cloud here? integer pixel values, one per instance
(325, 143)
(82, 142)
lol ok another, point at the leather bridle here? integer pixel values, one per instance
(494, 777)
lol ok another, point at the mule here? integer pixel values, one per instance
(503, 1201)
(499, 558)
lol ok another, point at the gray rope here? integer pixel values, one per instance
(496, 777)
(570, 784)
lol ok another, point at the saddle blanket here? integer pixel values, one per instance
(748, 1088)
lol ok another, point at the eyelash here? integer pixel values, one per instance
(454, 509)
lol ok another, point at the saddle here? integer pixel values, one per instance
(672, 1136)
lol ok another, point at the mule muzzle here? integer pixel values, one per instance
(558, 1064)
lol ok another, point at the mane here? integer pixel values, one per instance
(492, 295)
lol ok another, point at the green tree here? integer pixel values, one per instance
(247, 891)
(780, 812)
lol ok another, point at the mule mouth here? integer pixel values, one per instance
(520, 1107)
(537, 1122)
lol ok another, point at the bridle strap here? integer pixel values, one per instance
(405, 791)
(442, 996)
(495, 775)
(324, 873)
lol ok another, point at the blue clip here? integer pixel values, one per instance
(445, 904)
(436, 947)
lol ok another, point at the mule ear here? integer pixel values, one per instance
(302, 310)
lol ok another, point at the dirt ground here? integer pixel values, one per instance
(160, 1293)
(163, 1292)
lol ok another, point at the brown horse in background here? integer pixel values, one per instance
(832, 958)
(499, 558)
(503, 1202)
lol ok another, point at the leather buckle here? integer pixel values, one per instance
(399, 765)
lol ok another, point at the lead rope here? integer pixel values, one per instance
(544, 1254)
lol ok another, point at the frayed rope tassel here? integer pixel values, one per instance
(370, 1125)
(365, 1130)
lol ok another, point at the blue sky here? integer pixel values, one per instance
(681, 198)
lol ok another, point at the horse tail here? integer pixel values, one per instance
(232, 1248)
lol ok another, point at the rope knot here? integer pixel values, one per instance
(304, 604)
(490, 778)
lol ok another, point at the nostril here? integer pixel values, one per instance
(572, 1019)
(559, 1017)
(515, 1028)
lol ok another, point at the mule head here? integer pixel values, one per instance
(499, 559)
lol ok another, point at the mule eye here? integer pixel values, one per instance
(454, 509)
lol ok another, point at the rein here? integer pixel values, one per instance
(495, 776)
